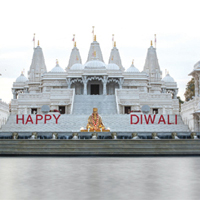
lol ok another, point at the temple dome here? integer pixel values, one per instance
(132, 68)
(57, 68)
(95, 64)
(76, 66)
(168, 78)
(112, 66)
(21, 78)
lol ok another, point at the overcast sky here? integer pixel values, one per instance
(134, 24)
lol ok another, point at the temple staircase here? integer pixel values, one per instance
(84, 104)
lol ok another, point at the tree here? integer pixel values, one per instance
(189, 92)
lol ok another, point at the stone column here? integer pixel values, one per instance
(14, 94)
(104, 81)
(84, 78)
(121, 80)
(175, 94)
(68, 82)
(196, 123)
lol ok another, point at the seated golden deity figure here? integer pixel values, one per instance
(95, 123)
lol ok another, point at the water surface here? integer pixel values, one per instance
(97, 178)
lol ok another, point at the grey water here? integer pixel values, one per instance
(95, 178)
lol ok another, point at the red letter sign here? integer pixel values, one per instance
(37, 118)
(132, 119)
(46, 118)
(17, 119)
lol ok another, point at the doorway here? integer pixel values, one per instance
(62, 109)
(94, 89)
(34, 111)
(127, 109)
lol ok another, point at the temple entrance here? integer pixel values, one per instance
(94, 89)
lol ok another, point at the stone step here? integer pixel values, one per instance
(85, 103)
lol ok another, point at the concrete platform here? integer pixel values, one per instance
(109, 147)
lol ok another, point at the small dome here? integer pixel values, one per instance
(76, 66)
(112, 66)
(57, 68)
(132, 68)
(168, 78)
(95, 64)
(21, 78)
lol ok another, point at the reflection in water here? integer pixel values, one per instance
(99, 178)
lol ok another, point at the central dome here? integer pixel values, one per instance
(132, 68)
(95, 64)
(57, 68)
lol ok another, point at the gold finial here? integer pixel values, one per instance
(132, 61)
(22, 72)
(74, 44)
(95, 54)
(151, 43)
(114, 43)
(56, 61)
(38, 43)
(95, 38)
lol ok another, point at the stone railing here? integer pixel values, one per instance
(116, 99)
(72, 103)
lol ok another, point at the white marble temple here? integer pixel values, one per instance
(131, 88)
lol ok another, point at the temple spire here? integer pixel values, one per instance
(38, 43)
(115, 56)
(38, 66)
(75, 56)
(151, 43)
(151, 66)
(95, 38)
(95, 47)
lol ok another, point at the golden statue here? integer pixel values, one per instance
(95, 123)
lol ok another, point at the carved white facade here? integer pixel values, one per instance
(190, 111)
(132, 89)
(4, 112)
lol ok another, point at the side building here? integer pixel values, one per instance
(4, 112)
(190, 110)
